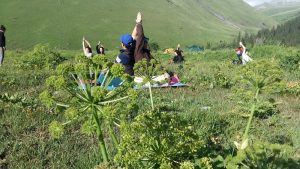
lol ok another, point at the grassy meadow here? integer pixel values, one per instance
(209, 104)
(62, 23)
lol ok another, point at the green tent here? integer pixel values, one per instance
(195, 49)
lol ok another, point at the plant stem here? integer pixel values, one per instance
(251, 115)
(111, 101)
(100, 137)
(105, 77)
(151, 98)
(113, 136)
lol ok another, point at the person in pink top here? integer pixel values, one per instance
(173, 78)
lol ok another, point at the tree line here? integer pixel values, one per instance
(285, 34)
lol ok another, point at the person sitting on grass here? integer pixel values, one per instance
(134, 47)
(178, 58)
(245, 57)
(87, 49)
(238, 52)
(126, 56)
(100, 49)
(141, 50)
(173, 78)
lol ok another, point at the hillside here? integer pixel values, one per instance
(62, 23)
(281, 10)
(285, 34)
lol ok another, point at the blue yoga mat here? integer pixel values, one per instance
(116, 82)
(161, 86)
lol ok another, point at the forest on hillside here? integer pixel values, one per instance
(285, 34)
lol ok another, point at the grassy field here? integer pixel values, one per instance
(62, 23)
(207, 104)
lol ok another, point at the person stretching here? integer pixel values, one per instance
(141, 50)
(100, 49)
(245, 57)
(87, 49)
(126, 57)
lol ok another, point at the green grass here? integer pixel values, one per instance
(62, 23)
(26, 143)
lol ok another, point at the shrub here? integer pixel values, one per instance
(263, 75)
(290, 63)
(262, 155)
(293, 87)
(222, 80)
(154, 46)
(41, 57)
(157, 138)
(266, 109)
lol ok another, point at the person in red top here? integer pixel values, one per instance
(141, 50)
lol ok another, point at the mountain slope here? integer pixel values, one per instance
(62, 23)
(283, 34)
(281, 10)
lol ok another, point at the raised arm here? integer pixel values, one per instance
(83, 45)
(139, 38)
(134, 34)
(242, 45)
(87, 42)
(178, 47)
(137, 21)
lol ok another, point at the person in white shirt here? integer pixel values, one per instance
(245, 57)
(87, 49)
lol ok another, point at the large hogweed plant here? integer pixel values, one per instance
(251, 81)
(88, 102)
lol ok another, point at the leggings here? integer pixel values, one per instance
(1, 55)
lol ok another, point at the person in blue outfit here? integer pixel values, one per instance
(126, 56)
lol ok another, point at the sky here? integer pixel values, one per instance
(256, 2)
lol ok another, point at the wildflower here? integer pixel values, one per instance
(46, 99)
(71, 113)
(56, 129)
